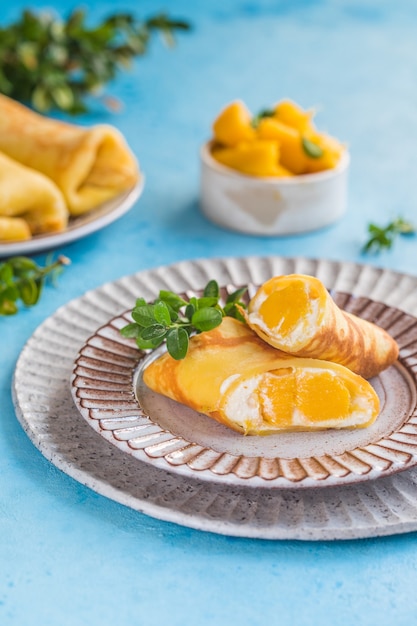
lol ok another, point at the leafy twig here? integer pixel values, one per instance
(172, 319)
(381, 238)
(49, 62)
(22, 279)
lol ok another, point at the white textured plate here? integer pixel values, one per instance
(80, 226)
(44, 405)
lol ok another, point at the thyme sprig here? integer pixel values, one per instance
(383, 237)
(53, 63)
(22, 279)
(172, 319)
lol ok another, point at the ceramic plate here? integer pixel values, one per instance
(45, 408)
(79, 226)
(109, 391)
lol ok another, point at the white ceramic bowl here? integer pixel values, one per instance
(272, 206)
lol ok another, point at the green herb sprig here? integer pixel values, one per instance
(53, 63)
(21, 279)
(383, 237)
(172, 319)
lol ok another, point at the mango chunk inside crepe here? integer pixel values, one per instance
(30, 203)
(89, 165)
(234, 377)
(296, 313)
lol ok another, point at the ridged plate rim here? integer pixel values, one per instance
(44, 406)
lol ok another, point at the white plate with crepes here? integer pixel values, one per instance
(143, 451)
(78, 227)
(110, 393)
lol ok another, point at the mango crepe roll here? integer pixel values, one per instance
(26, 195)
(89, 165)
(234, 377)
(296, 313)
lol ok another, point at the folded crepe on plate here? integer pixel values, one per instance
(296, 313)
(89, 165)
(31, 204)
(234, 377)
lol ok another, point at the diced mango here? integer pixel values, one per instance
(332, 152)
(256, 158)
(233, 125)
(279, 142)
(293, 115)
(292, 154)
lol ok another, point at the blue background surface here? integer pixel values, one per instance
(69, 556)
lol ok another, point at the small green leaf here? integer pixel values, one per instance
(156, 331)
(189, 311)
(22, 264)
(206, 302)
(235, 297)
(161, 313)
(149, 344)
(311, 149)
(177, 343)
(172, 299)
(131, 331)
(206, 319)
(144, 315)
(264, 113)
(29, 291)
(211, 290)
(8, 307)
(63, 97)
(41, 99)
(6, 273)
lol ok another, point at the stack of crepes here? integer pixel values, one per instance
(300, 363)
(51, 170)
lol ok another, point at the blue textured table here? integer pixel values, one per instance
(69, 556)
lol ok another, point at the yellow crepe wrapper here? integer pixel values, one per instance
(296, 313)
(14, 229)
(89, 165)
(28, 198)
(234, 377)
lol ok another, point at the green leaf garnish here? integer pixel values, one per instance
(23, 279)
(53, 63)
(383, 237)
(177, 343)
(172, 319)
(263, 113)
(312, 149)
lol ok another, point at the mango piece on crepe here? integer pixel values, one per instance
(234, 377)
(296, 313)
(29, 195)
(89, 165)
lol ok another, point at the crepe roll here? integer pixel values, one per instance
(30, 196)
(237, 379)
(14, 229)
(89, 165)
(296, 313)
